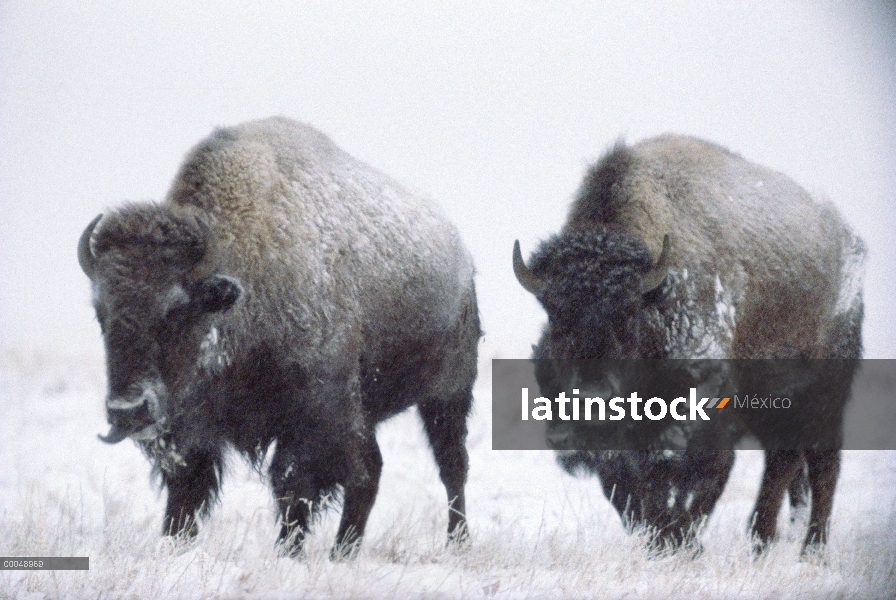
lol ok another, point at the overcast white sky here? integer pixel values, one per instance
(493, 109)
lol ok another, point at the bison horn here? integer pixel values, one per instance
(115, 435)
(654, 278)
(85, 255)
(524, 274)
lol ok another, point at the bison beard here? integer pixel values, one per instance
(676, 248)
(284, 295)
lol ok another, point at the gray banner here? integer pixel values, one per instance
(693, 404)
(44, 563)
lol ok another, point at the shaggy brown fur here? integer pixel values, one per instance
(755, 268)
(284, 292)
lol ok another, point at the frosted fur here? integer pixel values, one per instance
(688, 332)
(212, 357)
(323, 243)
(852, 272)
(755, 269)
(781, 256)
(284, 292)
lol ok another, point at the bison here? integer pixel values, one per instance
(676, 248)
(284, 294)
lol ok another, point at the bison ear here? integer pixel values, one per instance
(219, 292)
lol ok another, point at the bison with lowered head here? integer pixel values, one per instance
(676, 248)
(283, 292)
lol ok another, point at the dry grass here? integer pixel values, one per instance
(536, 531)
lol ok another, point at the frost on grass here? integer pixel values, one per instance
(536, 532)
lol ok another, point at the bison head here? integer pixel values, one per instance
(597, 287)
(669, 494)
(593, 285)
(155, 290)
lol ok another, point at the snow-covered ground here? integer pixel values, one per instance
(536, 532)
(493, 109)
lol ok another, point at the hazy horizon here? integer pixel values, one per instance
(493, 110)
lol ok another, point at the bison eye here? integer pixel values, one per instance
(218, 293)
(175, 298)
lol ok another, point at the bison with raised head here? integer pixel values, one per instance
(283, 292)
(676, 248)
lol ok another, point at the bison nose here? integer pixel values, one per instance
(129, 417)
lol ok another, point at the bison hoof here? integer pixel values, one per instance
(813, 547)
(667, 544)
(761, 545)
(345, 551)
(292, 547)
(180, 531)
(459, 538)
(813, 554)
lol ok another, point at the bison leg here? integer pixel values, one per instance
(446, 427)
(713, 475)
(191, 490)
(798, 492)
(360, 493)
(300, 488)
(824, 468)
(780, 469)
(701, 483)
(621, 475)
(618, 475)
